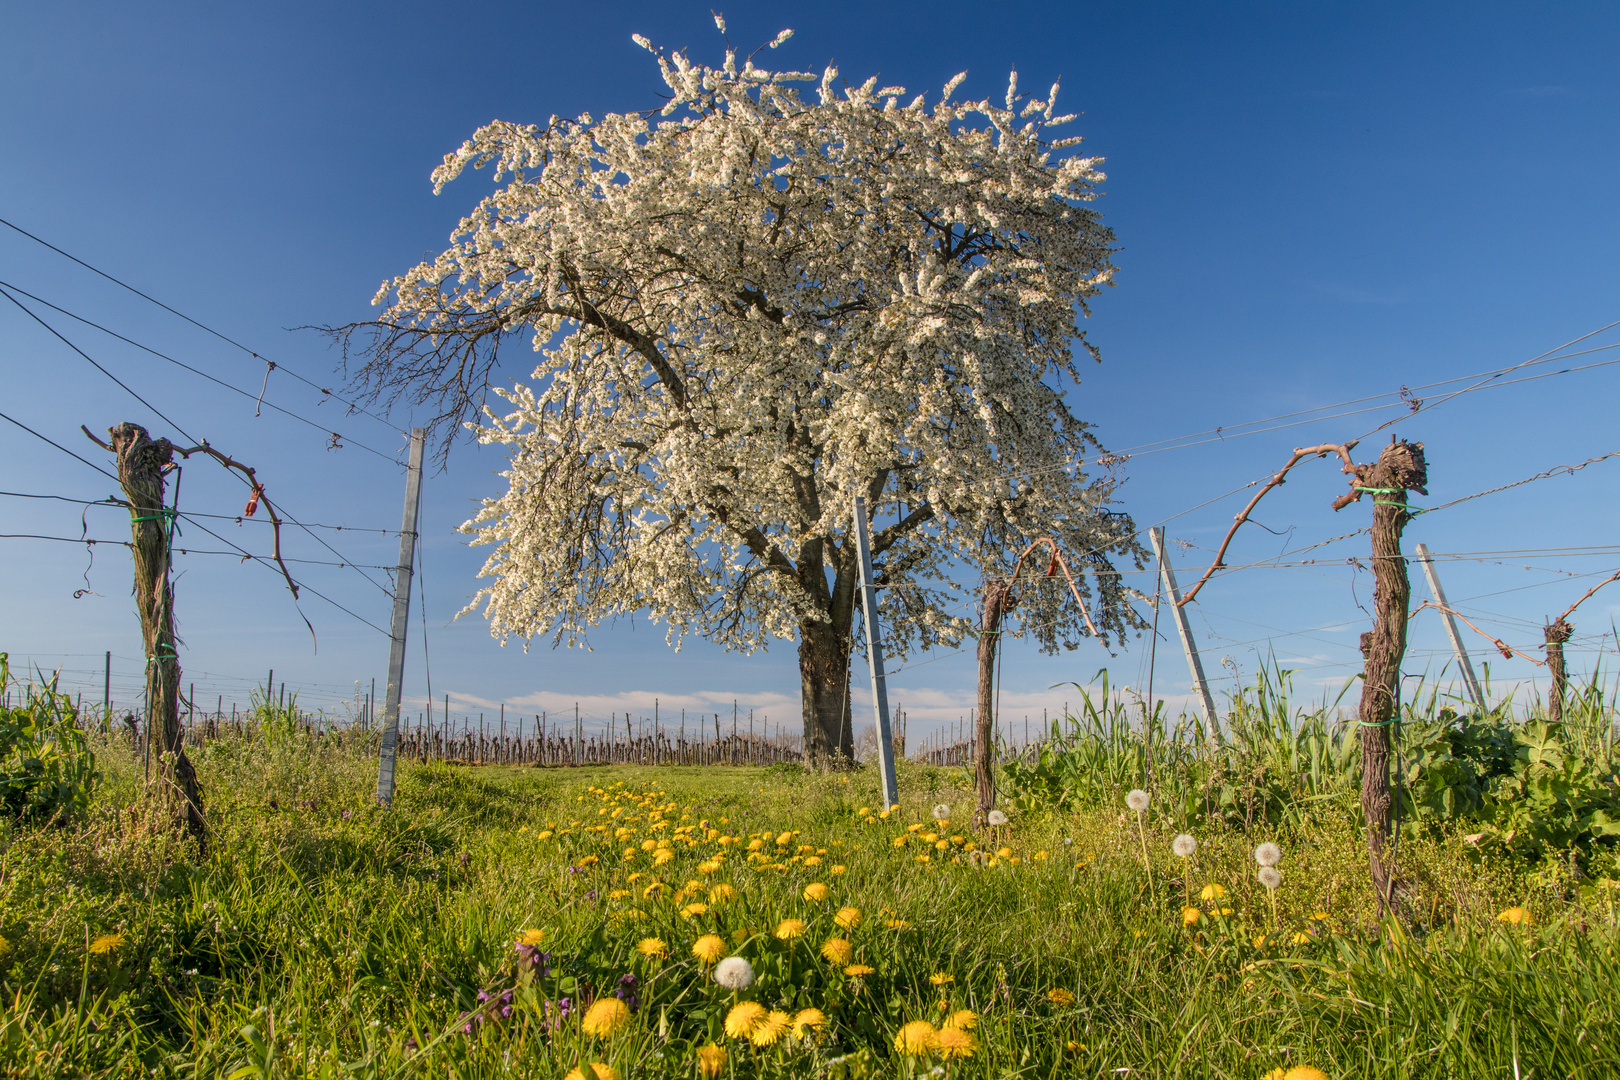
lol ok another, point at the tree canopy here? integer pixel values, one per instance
(750, 306)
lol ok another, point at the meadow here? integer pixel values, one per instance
(624, 921)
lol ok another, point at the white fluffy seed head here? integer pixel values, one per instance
(734, 973)
(996, 817)
(1184, 845)
(1137, 800)
(941, 812)
(1268, 854)
(1269, 877)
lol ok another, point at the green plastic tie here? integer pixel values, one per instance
(1383, 723)
(159, 516)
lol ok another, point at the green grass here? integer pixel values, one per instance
(324, 937)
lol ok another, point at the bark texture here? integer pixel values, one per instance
(1399, 469)
(141, 464)
(1555, 635)
(824, 656)
(996, 603)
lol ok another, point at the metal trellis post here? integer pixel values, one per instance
(402, 610)
(1194, 664)
(874, 656)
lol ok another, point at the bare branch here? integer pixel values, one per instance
(1278, 478)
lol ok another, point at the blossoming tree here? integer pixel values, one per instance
(749, 308)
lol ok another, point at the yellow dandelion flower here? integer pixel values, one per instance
(662, 856)
(721, 893)
(856, 971)
(531, 937)
(837, 951)
(709, 866)
(634, 877)
(814, 860)
(544, 834)
(916, 1038)
(1213, 891)
(1074, 1047)
(836, 870)
(897, 924)
(710, 1060)
(965, 1019)
(1320, 916)
(652, 890)
(692, 911)
(1039, 856)
(1516, 916)
(755, 844)
(1004, 853)
(1259, 941)
(815, 891)
(955, 1043)
(596, 1070)
(1300, 939)
(649, 845)
(106, 943)
(900, 841)
(653, 947)
(939, 978)
(743, 1018)
(605, 1016)
(848, 917)
(1060, 997)
(1298, 1072)
(708, 948)
(807, 1019)
(772, 1026)
(788, 929)
(1191, 916)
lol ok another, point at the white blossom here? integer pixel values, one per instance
(996, 818)
(1268, 854)
(1184, 845)
(749, 307)
(1137, 799)
(1269, 876)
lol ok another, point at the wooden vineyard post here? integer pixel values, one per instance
(874, 657)
(141, 467)
(1464, 666)
(1555, 635)
(995, 603)
(389, 751)
(1195, 665)
(1399, 469)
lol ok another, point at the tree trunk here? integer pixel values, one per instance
(1400, 468)
(995, 605)
(141, 462)
(1555, 635)
(824, 655)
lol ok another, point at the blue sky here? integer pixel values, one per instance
(1315, 203)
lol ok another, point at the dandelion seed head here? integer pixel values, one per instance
(1184, 845)
(996, 818)
(734, 973)
(1137, 800)
(941, 812)
(1268, 854)
(1269, 877)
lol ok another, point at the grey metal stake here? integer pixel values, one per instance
(1194, 664)
(402, 609)
(1470, 682)
(874, 657)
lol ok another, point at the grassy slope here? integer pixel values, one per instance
(323, 936)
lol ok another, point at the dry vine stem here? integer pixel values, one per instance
(141, 467)
(1278, 478)
(998, 600)
(1400, 468)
